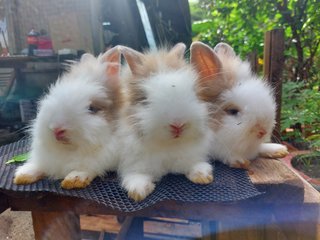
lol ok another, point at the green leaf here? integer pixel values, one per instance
(19, 158)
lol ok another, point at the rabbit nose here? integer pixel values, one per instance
(261, 133)
(59, 134)
(177, 129)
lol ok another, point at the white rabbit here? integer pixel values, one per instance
(242, 108)
(73, 133)
(165, 124)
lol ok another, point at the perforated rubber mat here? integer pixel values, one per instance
(229, 185)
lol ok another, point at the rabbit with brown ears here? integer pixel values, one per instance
(73, 135)
(165, 125)
(242, 106)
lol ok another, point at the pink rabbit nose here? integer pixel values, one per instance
(59, 134)
(177, 129)
(261, 133)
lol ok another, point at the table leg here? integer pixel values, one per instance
(208, 229)
(3, 203)
(132, 229)
(56, 225)
(125, 227)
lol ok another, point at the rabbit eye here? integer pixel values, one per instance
(144, 102)
(93, 109)
(232, 111)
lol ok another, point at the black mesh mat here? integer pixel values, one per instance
(229, 185)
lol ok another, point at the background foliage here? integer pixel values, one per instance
(243, 23)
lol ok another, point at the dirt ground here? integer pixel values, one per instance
(16, 225)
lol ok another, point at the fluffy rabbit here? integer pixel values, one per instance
(72, 135)
(242, 112)
(165, 124)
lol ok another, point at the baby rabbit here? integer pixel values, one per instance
(242, 112)
(72, 135)
(165, 124)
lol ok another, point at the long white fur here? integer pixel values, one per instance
(235, 141)
(93, 147)
(153, 152)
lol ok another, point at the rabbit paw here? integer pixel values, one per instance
(22, 179)
(273, 150)
(27, 174)
(201, 173)
(76, 179)
(139, 186)
(243, 164)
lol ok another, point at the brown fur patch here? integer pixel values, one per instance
(27, 179)
(109, 107)
(149, 63)
(75, 183)
(200, 178)
(243, 165)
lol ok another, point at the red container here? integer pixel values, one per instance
(32, 40)
(44, 42)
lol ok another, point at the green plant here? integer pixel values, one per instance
(307, 160)
(300, 107)
(243, 24)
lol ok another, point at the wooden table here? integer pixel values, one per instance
(288, 210)
(20, 63)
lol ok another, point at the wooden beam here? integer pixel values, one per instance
(12, 26)
(272, 69)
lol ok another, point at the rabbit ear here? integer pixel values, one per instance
(133, 58)
(224, 49)
(212, 80)
(86, 57)
(178, 50)
(205, 61)
(112, 57)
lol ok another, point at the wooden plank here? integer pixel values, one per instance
(56, 225)
(98, 223)
(280, 184)
(270, 171)
(273, 172)
(156, 227)
(273, 66)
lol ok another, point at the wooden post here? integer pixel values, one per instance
(12, 26)
(253, 59)
(56, 225)
(272, 69)
(132, 229)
